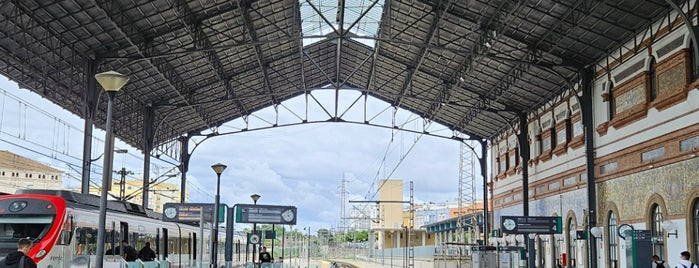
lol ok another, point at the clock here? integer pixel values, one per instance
(288, 215)
(509, 224)
(254, 239)
(170, 212)
(621, 231)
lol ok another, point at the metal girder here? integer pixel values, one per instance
(258, 50)
(419, 59)
(504, 13)
(140, 39)
(338, 54)
(123, 24)
(516, 73)
(200, 41)
(569, 21)
(32, 25)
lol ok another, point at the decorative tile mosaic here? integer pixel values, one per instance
(630, 98)
(575, 200)
(672, 79)
(630, 193)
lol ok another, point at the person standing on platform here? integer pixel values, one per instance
(265, 257)
(146, 253)
(684, 261)
(19, 258)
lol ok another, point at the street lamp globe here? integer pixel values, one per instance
(218, 168)
(111, 80)
(255, 197)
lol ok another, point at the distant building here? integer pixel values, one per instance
(19, 172)
(158, 195)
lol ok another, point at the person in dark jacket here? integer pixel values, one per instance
(19, 258)
(146, 253)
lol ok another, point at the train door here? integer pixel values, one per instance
(157, 244)
(195, 251)
(165, 243)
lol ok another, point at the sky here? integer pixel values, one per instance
(300, 166)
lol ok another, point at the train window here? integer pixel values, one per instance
(66, 232)
(86, 241)
(13, 227)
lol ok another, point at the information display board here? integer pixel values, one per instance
(267, 214)
(531, 225)
(191, 212)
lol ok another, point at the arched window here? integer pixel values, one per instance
(695, 227)
(656, 230)
(571, 242)
(612, 241)
(611, 101)
(651, 79)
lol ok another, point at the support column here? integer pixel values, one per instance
(89, 107)
(147, 148)
(524, 155)
(484, 173)
(184, 167)
(589, 129)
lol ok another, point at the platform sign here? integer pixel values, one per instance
(246, 213)
(191, 212)
(531, 225)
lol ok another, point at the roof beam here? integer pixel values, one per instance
(419, 59)
(258, 50)
(200, 41)
(564, 28)
(122, 23)
(139, 40)
(338, 53)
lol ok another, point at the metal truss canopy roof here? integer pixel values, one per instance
(469, 65)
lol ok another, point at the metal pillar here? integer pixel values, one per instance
(106, 181)
(147, 148)
(89, 106)
(524, 154)
(484, 174)
(586, 109)
(184, 167)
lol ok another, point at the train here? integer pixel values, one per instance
(63, 226)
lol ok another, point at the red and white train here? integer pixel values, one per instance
(63, 226)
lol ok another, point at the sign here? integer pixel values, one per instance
(191, 212)
(531, 225)
(246, 213)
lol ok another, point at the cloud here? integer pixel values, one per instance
(301, 165)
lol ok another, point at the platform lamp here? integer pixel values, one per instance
(254, 197)
(112, 82)
(218, 168)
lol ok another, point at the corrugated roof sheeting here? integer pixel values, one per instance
(203, 63)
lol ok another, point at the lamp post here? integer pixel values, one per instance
(218, 168)
(254, 197)
(112, 82)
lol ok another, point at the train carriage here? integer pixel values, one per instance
(63, 226)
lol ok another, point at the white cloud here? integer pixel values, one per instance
(299, 165)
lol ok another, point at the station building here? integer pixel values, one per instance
(19, 172)
(645, 114)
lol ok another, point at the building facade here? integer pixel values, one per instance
(645, 141)
(18, 172)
